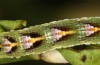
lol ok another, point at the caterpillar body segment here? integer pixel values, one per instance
(45, 37)
(21, 50)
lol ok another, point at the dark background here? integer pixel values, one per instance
(41, 11)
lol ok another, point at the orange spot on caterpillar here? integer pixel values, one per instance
(13, 44)
(55, 34)
(1, 46)
(63, 33)
(96, 29)
(33, 40)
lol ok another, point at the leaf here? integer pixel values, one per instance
(10, 60)
(6, 25)
(88, 55)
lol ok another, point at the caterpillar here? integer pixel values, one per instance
(48, 40)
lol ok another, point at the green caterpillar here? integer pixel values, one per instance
(57, 42)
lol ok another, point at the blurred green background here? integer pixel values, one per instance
(43, 11)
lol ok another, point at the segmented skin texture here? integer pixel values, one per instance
(49, 36)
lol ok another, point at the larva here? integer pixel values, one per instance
(42, 38)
